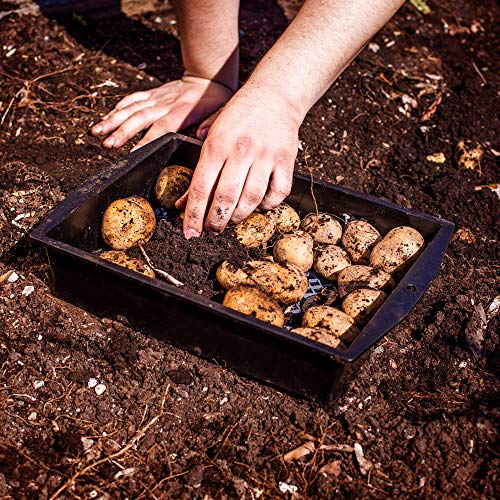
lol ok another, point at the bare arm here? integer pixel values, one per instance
(248, 157)
(209, 42)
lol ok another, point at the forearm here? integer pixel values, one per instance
(209, 39)
(317, 46)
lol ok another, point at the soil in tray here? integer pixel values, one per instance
(195, 261)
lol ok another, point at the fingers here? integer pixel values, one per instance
(132, 126)
(114, 119)
(182, 201)
(279, 186)
(172, 122)
(254, 190)
(205, 176)
(228, 192)
(203, 129)
(132, 98)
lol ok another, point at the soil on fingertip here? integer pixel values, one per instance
(423, 407)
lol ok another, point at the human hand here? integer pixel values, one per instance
(174, 105)
(246, 161)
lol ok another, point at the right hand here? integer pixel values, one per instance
(169, 108)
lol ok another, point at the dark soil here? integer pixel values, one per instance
(424, 405)
(195, 261)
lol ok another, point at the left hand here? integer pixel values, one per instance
(246, 162)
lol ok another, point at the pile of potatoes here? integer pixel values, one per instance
(354, 256)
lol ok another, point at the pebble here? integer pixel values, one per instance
(99, 389)
(13, 277)
(28, 290)
(92, 383)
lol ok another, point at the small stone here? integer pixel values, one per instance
(39, 383)
(13, 277)
(92, 383)
(28, 290)
(99, 389)
(32, 416)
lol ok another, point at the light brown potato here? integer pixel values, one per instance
(286, 219)
(396, 249)
(295, 248)
(253, 302)
(324, 228)
(329, 260)
(171, 184)
(361, 304)
(128, 221)
(354, 277)
(319, 335)
(332, 320)
(122, 259)
(284, 283)
(358, 240)
(255, 230)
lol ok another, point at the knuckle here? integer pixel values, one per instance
(197, 192)
(225, 198)
(243, 145)
(214, 147)
(253, 198)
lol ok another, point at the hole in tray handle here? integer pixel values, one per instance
(411, 287)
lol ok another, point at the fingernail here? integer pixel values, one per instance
(98, 129)
(203, 133)
(191, 233)
(105, 117)
(109, 141)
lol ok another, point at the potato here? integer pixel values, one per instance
(319, 335)
(334, 321)
(122, 259)
(251, 301)
(361, 304)
(286, 219)
(171, 184)
(255, 230)
(329, 260)
(284, 283)
(324, 228)
(358, 240)
(396, 249)
(126, 222)
(354, 277)
(295, 248)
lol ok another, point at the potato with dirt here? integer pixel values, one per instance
(286, 219)
(324, 228)
(255, 230)
(171, 184)
(329, 260)
(284, 283)
(295, 248)
(127, 222)
(334, 321)
(120, 258)
(354, 277)
(358, 239)
(253, 302)
(397, 249)
(362, 304)
(319, 335)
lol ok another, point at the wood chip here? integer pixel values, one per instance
(300, 452)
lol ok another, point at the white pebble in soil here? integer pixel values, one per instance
(99, 389)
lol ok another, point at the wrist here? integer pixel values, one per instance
(270, 91)
(187, 77)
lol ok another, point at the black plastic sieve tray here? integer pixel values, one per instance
(272, 354)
